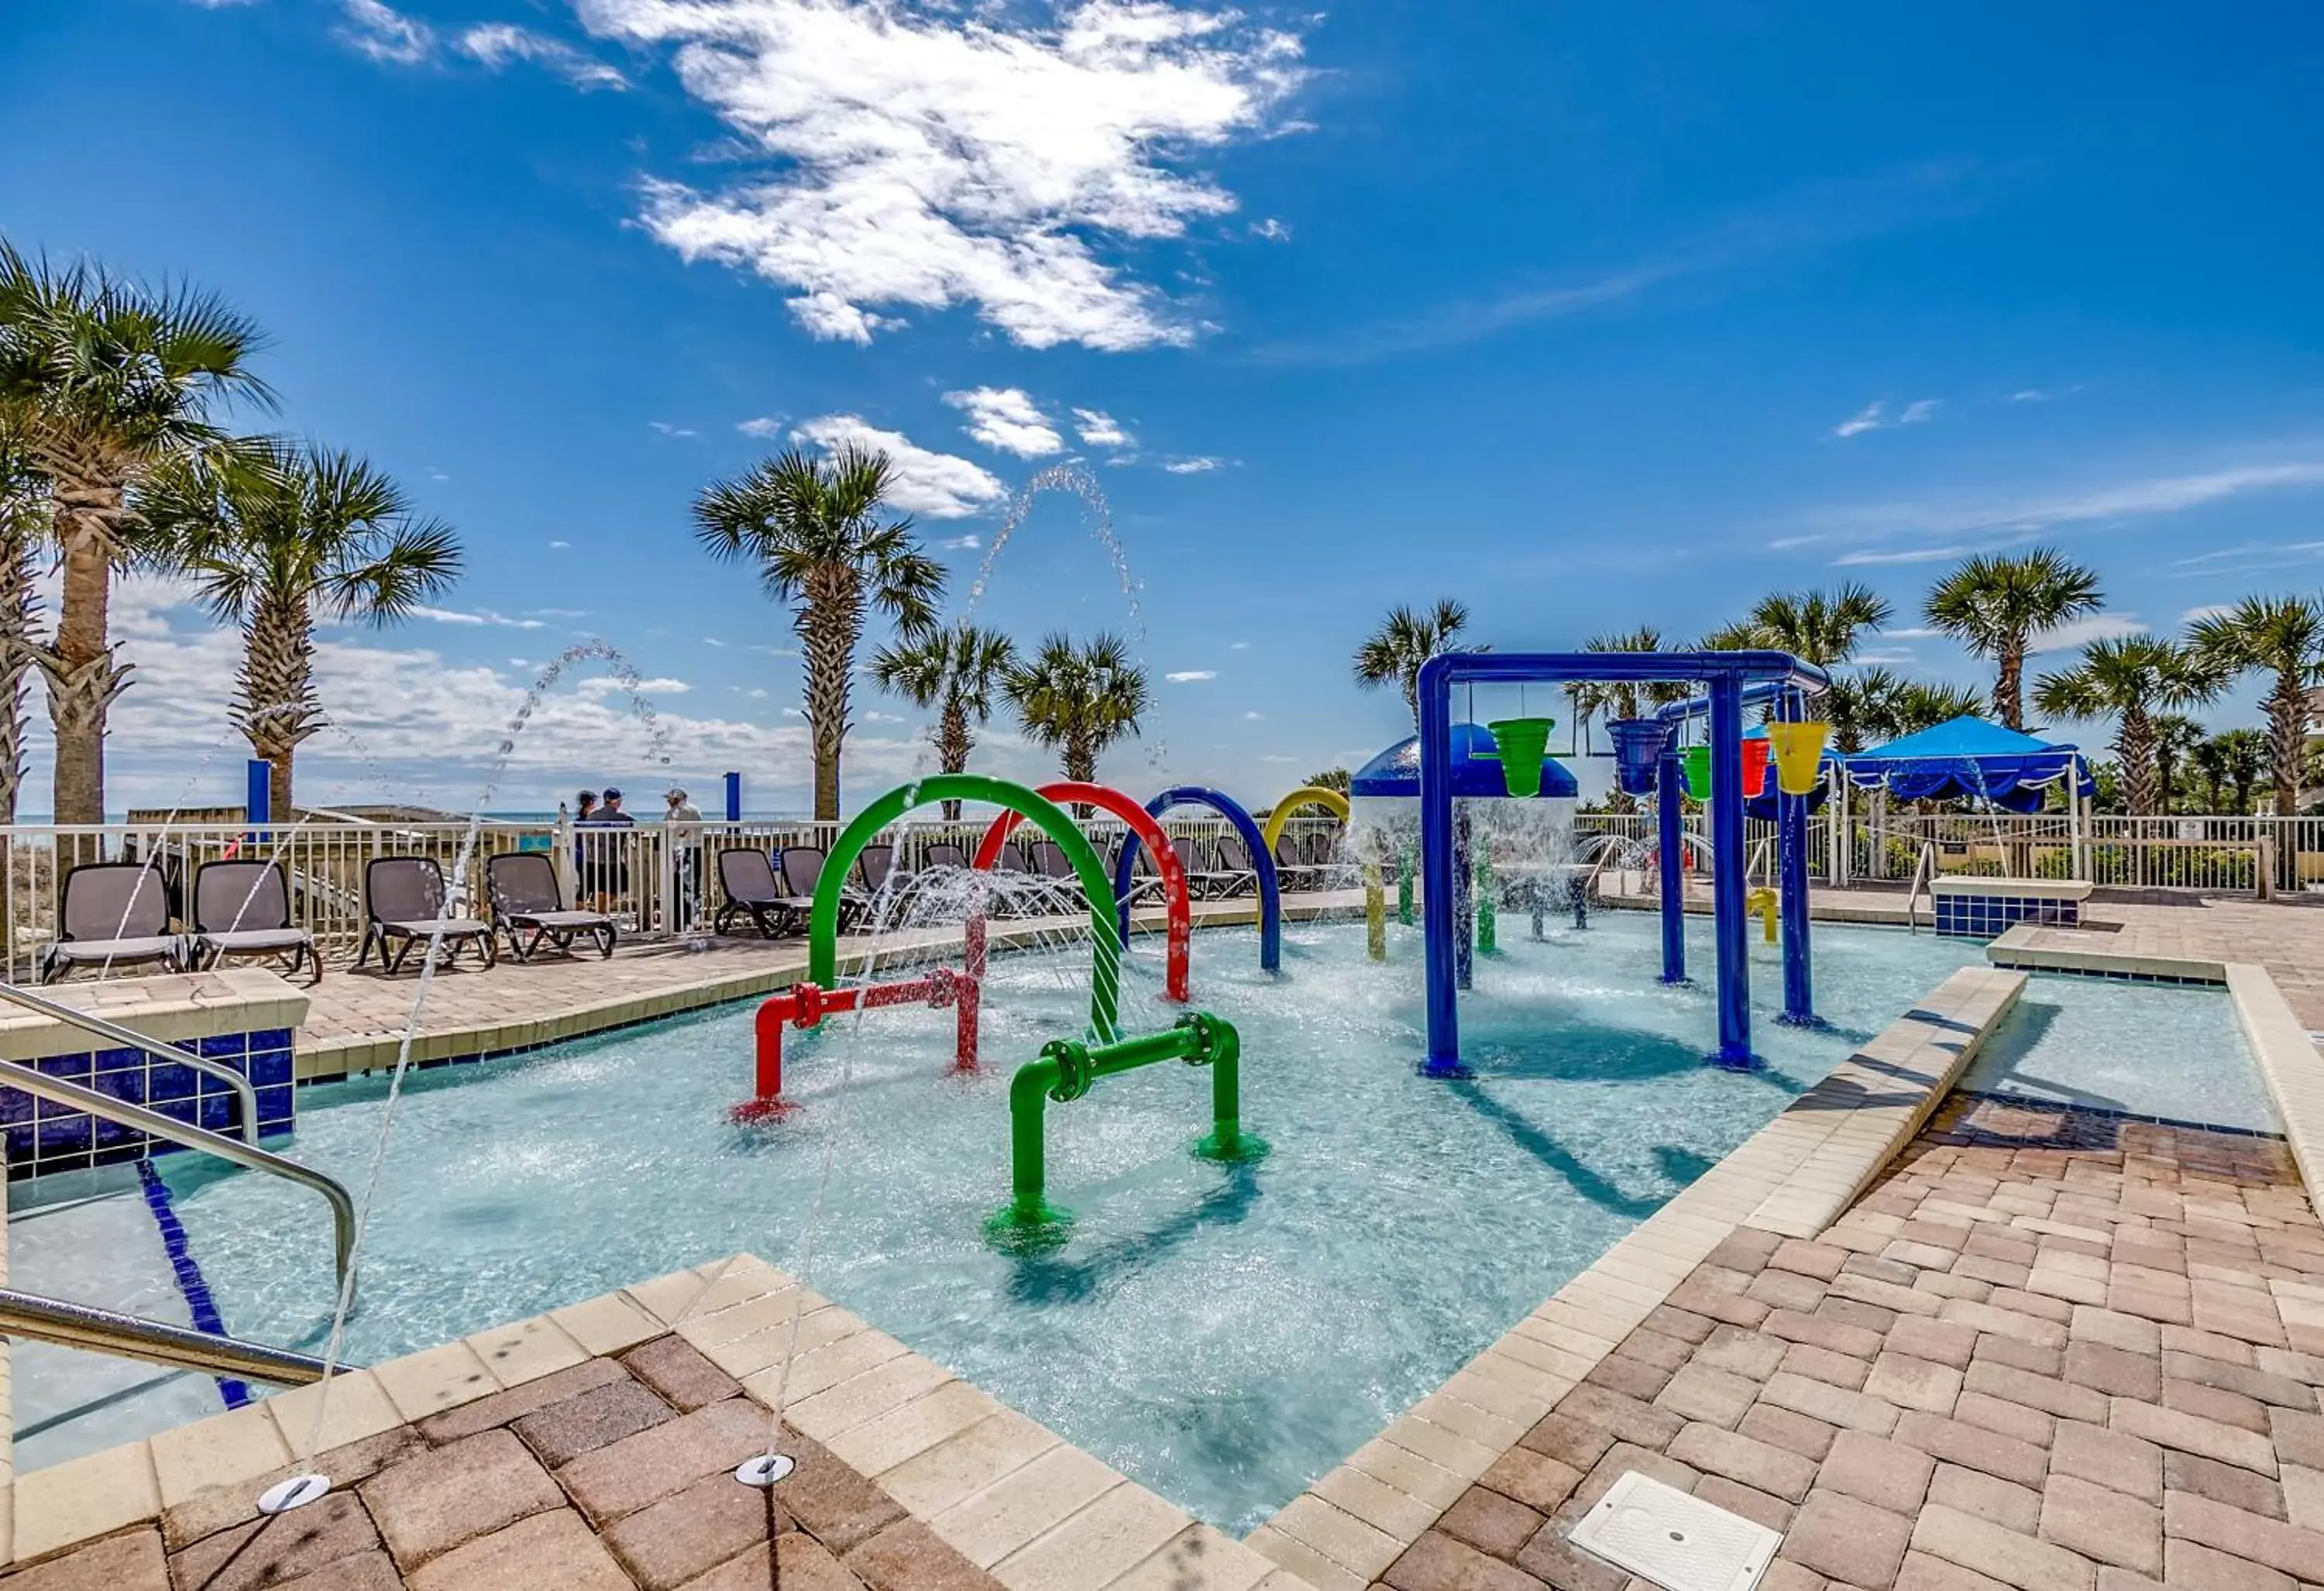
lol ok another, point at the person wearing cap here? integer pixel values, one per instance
(613, 856)
(683, 824)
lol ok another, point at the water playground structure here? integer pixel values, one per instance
(1451, 775)
(1647, 762)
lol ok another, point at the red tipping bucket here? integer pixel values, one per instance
(1755, 768)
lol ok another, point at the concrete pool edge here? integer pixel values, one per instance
(1792, 1179)
(1010, 1497)
(2289, 1065)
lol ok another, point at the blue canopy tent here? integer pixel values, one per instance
(1969, 757)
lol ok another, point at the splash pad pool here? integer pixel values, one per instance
(1222, 1333)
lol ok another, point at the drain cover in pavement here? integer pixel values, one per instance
(1680, 1542)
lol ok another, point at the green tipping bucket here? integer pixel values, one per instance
(1697, 762)
(1521, 744)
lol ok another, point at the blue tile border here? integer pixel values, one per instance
(199, 1302)
(39, 1137)
(2115, 974)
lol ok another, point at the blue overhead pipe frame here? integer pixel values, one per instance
(1728, 674)
(1262, 862)
(1670, 841)
(1791, 889)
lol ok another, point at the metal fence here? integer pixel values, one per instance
(655, 880)
(2202, 855)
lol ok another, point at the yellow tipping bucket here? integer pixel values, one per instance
(1799, 754)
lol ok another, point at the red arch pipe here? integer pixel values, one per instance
(1179, 914)
(804, 1005)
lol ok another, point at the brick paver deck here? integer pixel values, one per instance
(2049, 1351)
(613, 1474)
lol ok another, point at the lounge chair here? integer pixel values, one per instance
(243, 909)
(943, 854)
(1292, 870)
(1235, 864)
(403, 897)
(802, 872)
(875, 866)
(1144, 873)
(112, 914)
(1050, 860)
(1205, 880)
(747, 876)
(526, 898)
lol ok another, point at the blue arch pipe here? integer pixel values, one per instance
(1728, 674)
(1270, 897)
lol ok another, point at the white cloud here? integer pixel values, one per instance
(1998, 523)
(1874, 417)
(1189, 675)
(1192, 466)
(560, 547)
(711, 640)
(765, 424)
(2030, 395)
(968, 543)
(1097, 429)
(2208, 611)
(558, 612)
(481, 616)
(1253, 717)
(1238, 646)
(384, 34)
(664, 428)
(756, 694)
(496, 44)
(2077, 633)
(1272, 230)
(933, 158)
(606, 685)
(1906, 555)
(1007, 420)
(876, 717)
(937, 484)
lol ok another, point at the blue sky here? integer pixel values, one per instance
(1592, 315)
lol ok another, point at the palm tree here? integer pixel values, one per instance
(24, 530)
(952, 672)
(2283, 636)
(103, 381)
(1995, 605)
(2130, 680)
(1866, 704)
(2176, 738)
(1078, 700)
(2233, 760)
(813, 529)
(1819, 626)
(1613, 699)
(1393, 654)
(308, 533)
(1741, 636)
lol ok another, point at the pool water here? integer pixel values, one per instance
(1224, 1335)
(2175, 1052)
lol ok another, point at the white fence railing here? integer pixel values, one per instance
(655, 880)
(2211, 855)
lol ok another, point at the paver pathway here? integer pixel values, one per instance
(2049, 1351)
(612, 1475)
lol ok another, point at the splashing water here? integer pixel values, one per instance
(658, 741)
(1095, 511)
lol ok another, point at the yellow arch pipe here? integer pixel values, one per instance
(1306, 796)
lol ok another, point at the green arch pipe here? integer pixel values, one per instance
(1105, 946)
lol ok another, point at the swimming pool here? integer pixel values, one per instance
(1222, 1334)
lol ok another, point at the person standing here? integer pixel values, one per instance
(683, 826)
(584, 857)
(613, 851)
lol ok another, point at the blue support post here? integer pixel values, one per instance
(1669, 818)
(1439, 923)
(1728, 918)
(733, 798)
(1791, 892)
(258, 796)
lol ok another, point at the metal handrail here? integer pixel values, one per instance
(130, 1039)
(1926, 863)
(131, 1337)
(16, 1074)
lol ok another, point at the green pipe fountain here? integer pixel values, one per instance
(1052, 819)
(1066, 1071)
